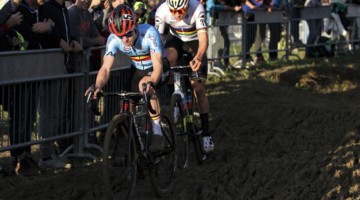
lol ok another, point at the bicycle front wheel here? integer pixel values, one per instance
(162, 173)
(119, 162)
(181, 135)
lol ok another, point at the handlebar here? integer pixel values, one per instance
(185, 70)
(123, 95)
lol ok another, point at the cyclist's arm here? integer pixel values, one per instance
(156, 59)
(203, 44)
(104, 72)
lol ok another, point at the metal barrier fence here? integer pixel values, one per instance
(265, 26)
(40, 102)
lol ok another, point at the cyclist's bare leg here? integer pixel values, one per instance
(199, 92)
(203, 105)
(156, 139)
(171, 55)
(154, 101)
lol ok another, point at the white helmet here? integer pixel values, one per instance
(177, 4)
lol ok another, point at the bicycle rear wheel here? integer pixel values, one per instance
(119, 164)
(181, 135)
(162, 173)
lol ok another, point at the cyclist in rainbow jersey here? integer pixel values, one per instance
(188, 35)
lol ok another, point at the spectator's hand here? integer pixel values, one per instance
(237, 8)
(272, 8)
(42, 27)
(195, 64)
(76, 46)
(14, 20)
(106, 4)
(65, 46)
(14, 41)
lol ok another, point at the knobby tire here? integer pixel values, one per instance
(119, 161)
(181, 135)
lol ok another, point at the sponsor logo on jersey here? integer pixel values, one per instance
(110, 53)
(153, 39)
(158, 20)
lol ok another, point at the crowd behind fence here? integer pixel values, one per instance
(41, 102)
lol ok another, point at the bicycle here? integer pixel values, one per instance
(185, 122)
(126, 152)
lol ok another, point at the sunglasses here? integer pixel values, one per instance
(128, 34)
(182, 11)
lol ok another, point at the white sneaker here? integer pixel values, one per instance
(208, 144)
(54, 163)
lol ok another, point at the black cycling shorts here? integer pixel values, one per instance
(186, 50)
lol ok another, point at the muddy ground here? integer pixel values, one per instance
(289, 132)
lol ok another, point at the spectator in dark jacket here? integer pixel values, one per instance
(83, 28)
(9, 38)
(7, 7)
(35, 28)
(37, 33)
(56, 97)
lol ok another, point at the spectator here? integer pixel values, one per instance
(315, 28)
(295, 7)
(151, 17)
(211, 11)
(140, 11)
(99, 11)
(8, 41)
(7, 7)
(35, 28)
(9, 38)
(83, 29)
(55, 118)
(82, 25)
(150, 4)
(37, 33)
(248, 8)
(275, 30)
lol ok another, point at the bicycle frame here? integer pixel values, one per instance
(183, 90)
(126, 148)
